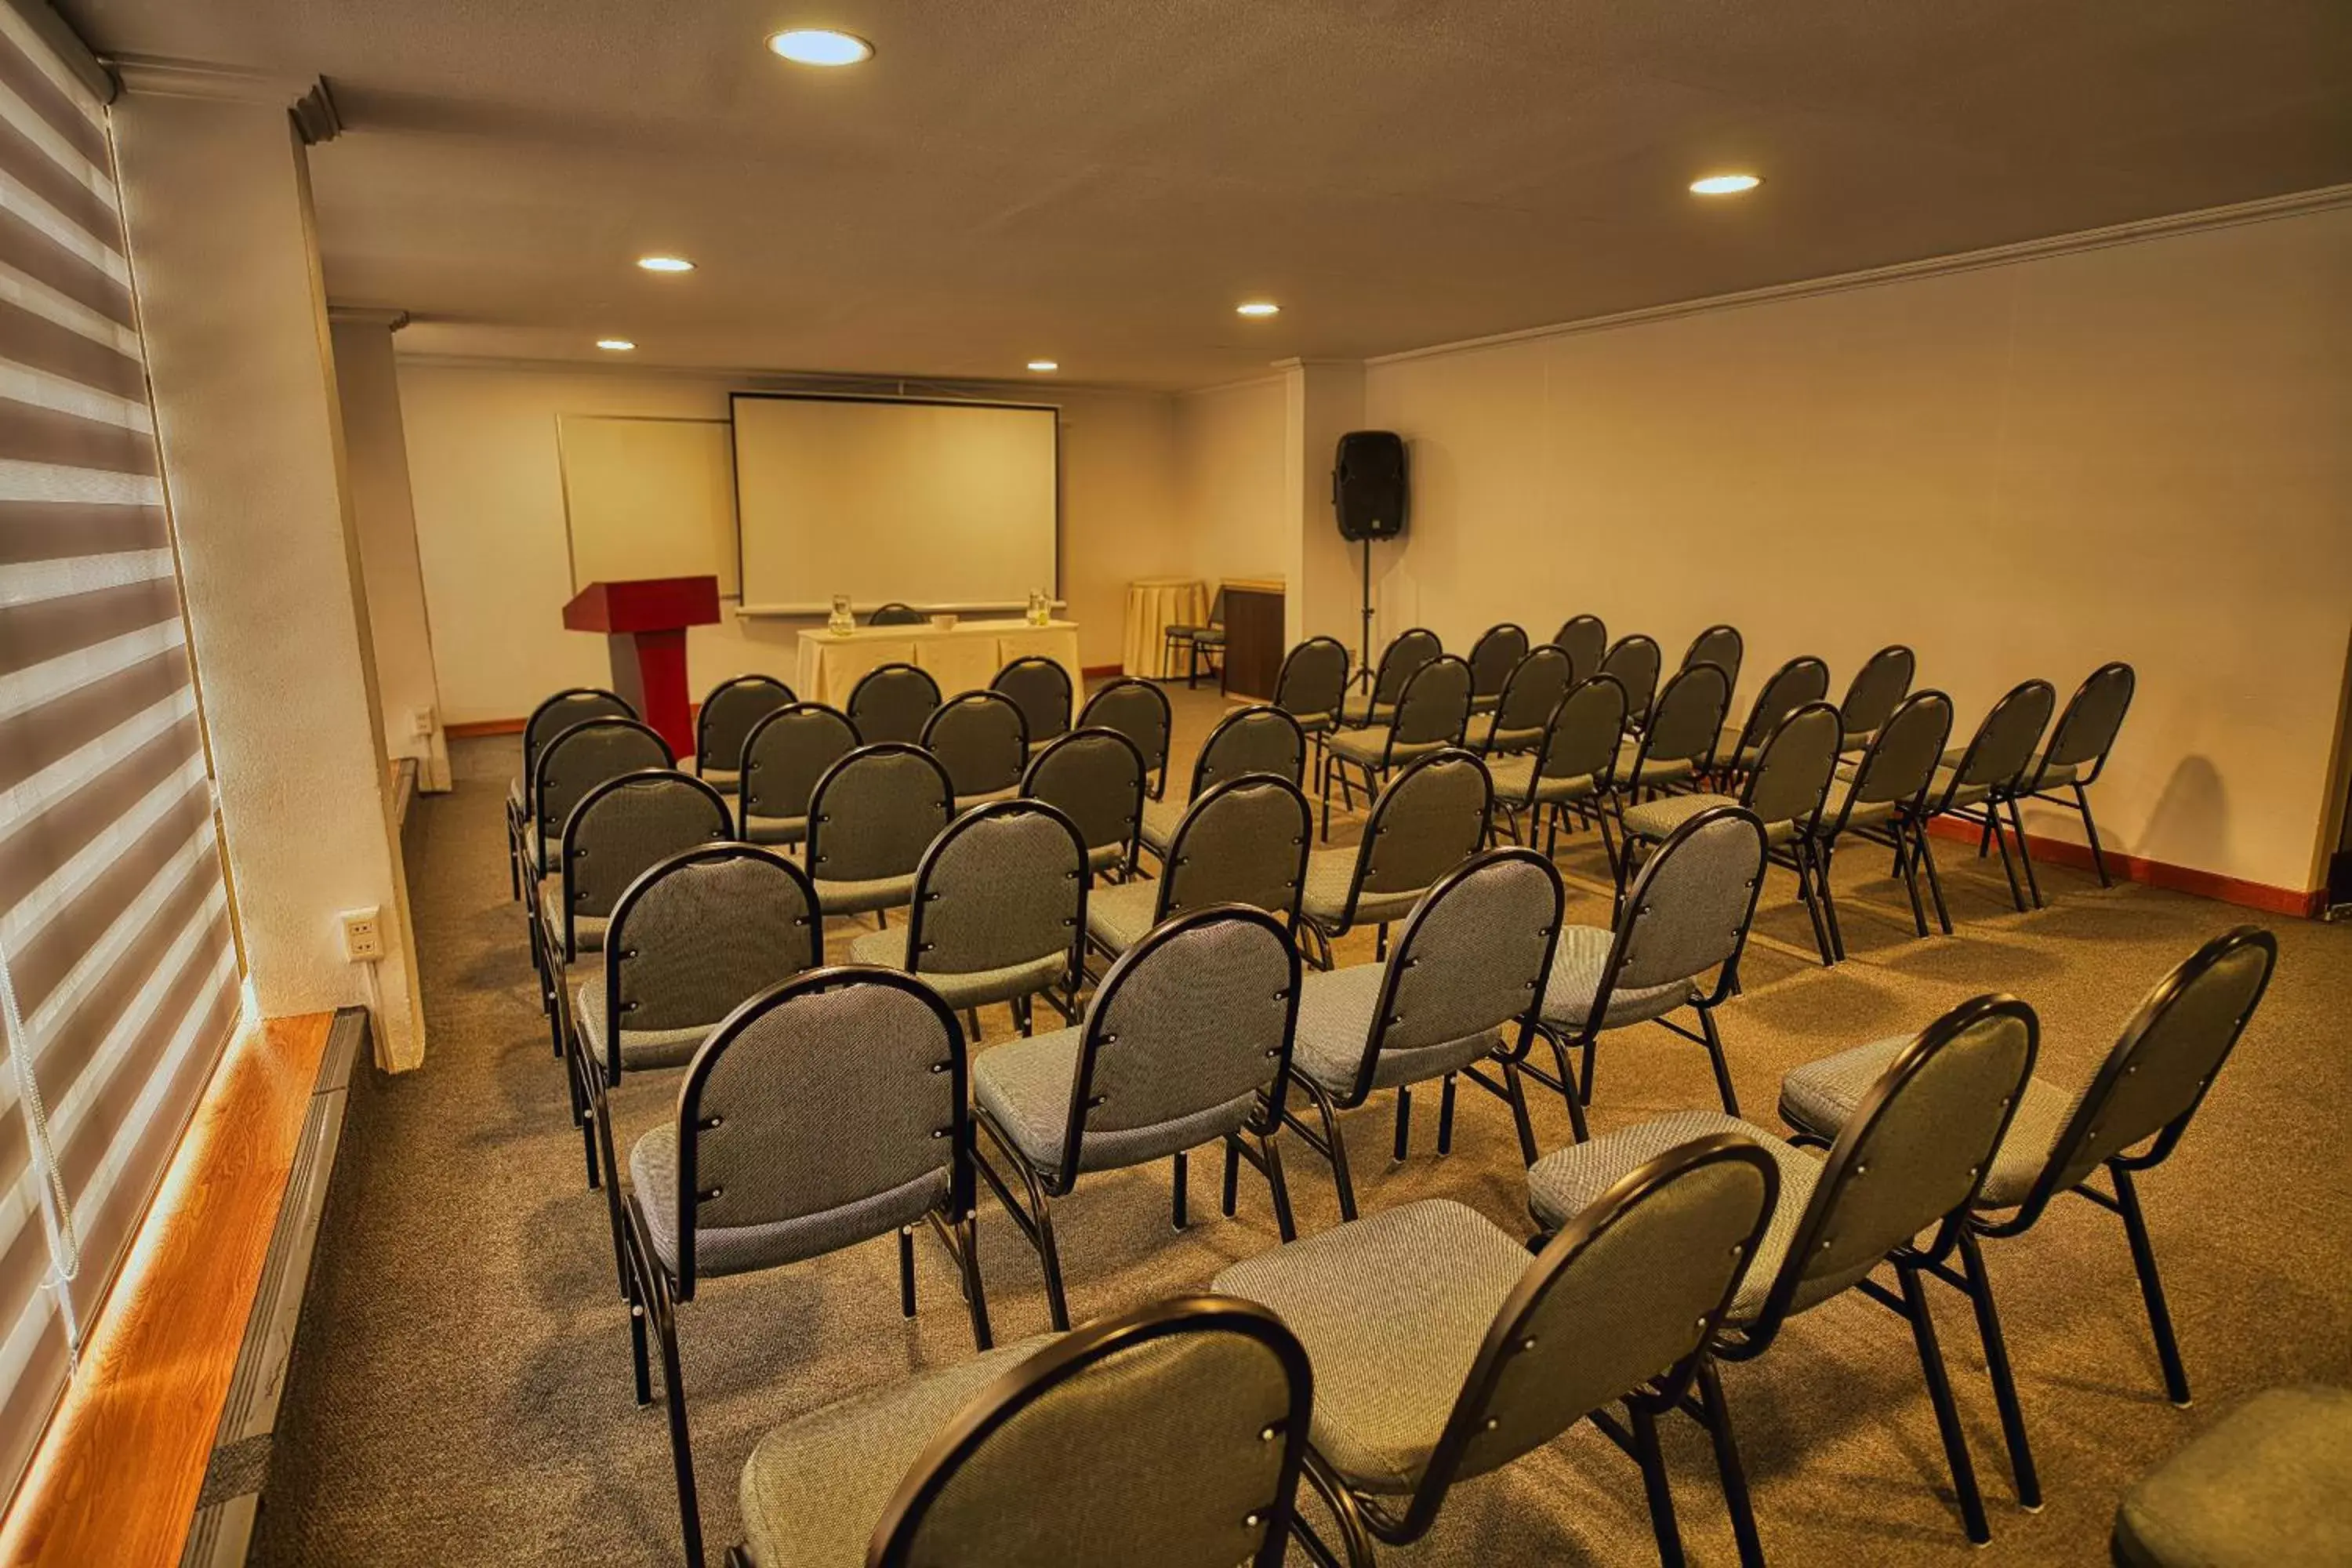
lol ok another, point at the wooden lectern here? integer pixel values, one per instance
(644, 623)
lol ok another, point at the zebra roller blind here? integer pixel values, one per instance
(119, 975)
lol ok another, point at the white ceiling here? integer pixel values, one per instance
(1101, 181)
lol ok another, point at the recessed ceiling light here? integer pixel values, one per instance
(1257, 308)
(821, 46)
(665, 264)
(1045, 365)
(1723, 184)
(614, 345)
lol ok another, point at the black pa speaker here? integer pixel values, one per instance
(1367, 485)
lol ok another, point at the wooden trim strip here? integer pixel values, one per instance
(2156, 873)
(476, 728)
(1098, 671)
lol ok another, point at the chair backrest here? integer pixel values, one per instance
(1790, 781)
(1910, 1158)
(626, 824)
(1686, 725)
(784, 755)
(701, 932)
(1217, 607)
(2086, 729)
(1878, 687)
(1537, 684)
(1313, 679)
(981, 740)
(2003, 746)
(1471, 960)
(892, 702)
(1096, 778)
(821, 1095)
(874, 813)
(1434, 708)
(1902, 759)
(1252, 740)
(895, 614)
(728, 715)
(1494, 656)
(1072, 1459)
(1585, 640)
(1003, 884)
(584, 756)
(1802, 679)
(1580, 738)
(1040, 687)
(1630, 1293)
(1401, 659)
(1720, 646)
(1690, 907)
(1635, 660)
(2157, 1076)
(1428, 819)
(559, 714)
(1243, 842)
(1199, 1018)
(1139, 710)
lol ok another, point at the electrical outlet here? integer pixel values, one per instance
(420, 723)
(362, 935)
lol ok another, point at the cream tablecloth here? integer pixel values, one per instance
(1153, 605)
(965, 658)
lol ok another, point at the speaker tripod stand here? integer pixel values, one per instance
(1364, 657)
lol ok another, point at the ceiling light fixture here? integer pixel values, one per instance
(1723, 184)
(614, 345)
(665, 264)
(1045, 365)
(821, 46)
(1257, 308)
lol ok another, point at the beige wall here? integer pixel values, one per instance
(1236, 502)
(2133, 452)
(490, 523)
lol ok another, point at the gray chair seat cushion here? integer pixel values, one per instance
(964, 802)
(1494, 742)
(1370, 748)
(722, 779)
(1512, 775)
(968, 988)
(1023, 1087)
(814, 1488)
(1334, 1020)
(1969, 794)
(1329, 874)
(775, 829)
(1563, 1183)
(1361, 711)
(1103, 857)
(640, 1048)
(862, 898)
(1120, 917)
(2057, 774)
(587, 930)
(1486, 701)
(1576, 966)
(1866, 816)
(1392, 1310)
(1316, 723)
(1656, 771)
(2267, 1485)
(1656, 819)
(1159, 820)
(739, 1248)
(1818, 1097)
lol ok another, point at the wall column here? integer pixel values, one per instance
(1326, 400)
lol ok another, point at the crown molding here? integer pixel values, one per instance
(308, 99)
(743, 379)
(2293, 204)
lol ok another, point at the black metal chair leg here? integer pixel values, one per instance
(1232, 1177)
(2091, 832)
(1907, 865)
(906, 1271)
(1997, 1370)
(681, 1440)
(2008, 866)
(1655, 1485)
(1445, 1117)
(962, 1242)
(1927, 857)
(1727, 1466)
(1801, 856)
(1403, 1121)
(2151, 1287)
(1824, 862)
(2033, 883)
(1278, 1186)
(1178, 1189)
(1715, 1057)
(1947, 1412)
(1335, 1148)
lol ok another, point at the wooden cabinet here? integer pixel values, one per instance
(1254, 636)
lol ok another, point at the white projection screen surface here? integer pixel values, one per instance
(946, 505)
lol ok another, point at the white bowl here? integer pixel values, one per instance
(945, 621)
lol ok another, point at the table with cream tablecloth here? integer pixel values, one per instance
(1153, 605)
(962, 657)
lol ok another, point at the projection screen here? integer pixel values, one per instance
(943, 505)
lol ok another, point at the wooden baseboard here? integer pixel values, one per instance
(483, 727)
(2156, 873)
(1098, 671)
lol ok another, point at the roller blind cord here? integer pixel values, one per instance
(56, 1213)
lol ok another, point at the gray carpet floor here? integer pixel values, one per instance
(465, 1392)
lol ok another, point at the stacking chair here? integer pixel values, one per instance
(871, 816)
(2267, 1485)
(1172, 1435)
(1243, 841)
(892, 702)
(895, 614)
(1040, 687)
(1974, 783)
(1255, 740)
(1881, 800)
(1585, 640)
(1878, 688)
(1428, 819)
(1515, 719)
(999, 913)
(1186, 1042)
(1719, 645)
(983, 740)
(1094, 777)
(784, 755)
(1687, 919)
(1399, 662)
(1802, 679)
(1786, 789)
(1570, 768)
(567, 768)
(1469, 968)
(2078, 751)
(692, 938)
(726, 721)
(1192, 641)
(825, 1111)
(1911, 1159)
(1312, 686)
(2129, 1118)
(547, 720)
(1139, 710)
(1674, 747)
(1493, 657)
(1619, 1307)
(1431, 714)
(1635, 660)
